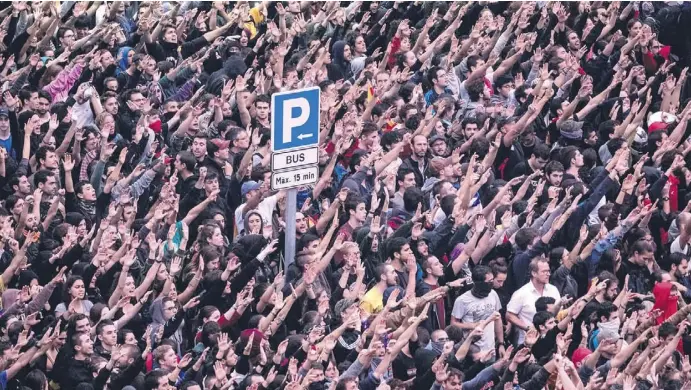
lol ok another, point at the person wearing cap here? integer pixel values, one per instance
(218, 151)
(571, 133)
(255, 197)
(438, 146)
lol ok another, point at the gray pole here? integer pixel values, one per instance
(291, 206)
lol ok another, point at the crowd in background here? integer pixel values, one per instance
(503, 199)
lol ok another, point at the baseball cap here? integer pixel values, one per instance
(571, 129)
(220, 144)
(655, 126)
(579, 355)
(249, 186)
(436, 138)
(4, 112)
(660, 121)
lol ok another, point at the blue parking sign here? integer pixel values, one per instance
(295, 119)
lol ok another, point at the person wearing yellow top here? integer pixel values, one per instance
(373, 301)
(252, 17)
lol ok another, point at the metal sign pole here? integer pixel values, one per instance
(291, 206)
(295, 151)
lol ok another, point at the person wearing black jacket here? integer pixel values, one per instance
(77, 368)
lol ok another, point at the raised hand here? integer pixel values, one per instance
(68, 163)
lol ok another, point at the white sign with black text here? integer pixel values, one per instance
(294, 159)
(294, 178)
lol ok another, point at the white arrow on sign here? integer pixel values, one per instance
(303, 136)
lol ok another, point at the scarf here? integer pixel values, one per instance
(481, 289)
(612, 326)
(88, 158)
(664, 300)
(667, 303)
(436, 346)
(87, 207)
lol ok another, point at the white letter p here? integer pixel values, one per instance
(289, 122)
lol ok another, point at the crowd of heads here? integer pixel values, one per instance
(503, 196)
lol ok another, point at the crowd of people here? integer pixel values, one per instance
(503, 200)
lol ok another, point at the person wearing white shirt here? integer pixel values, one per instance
(682, 244)
(265, 207)
(521, 308)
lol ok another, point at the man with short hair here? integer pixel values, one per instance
(678, 267)
(607, 293)
(107, 336)
(405, 178)
(46, 182)
(21, 186)
(165, 358)
(47, 159)
(130, 367)
(433, 278)
(78, 368)
(356, 210)
(521, 308)
(5, 133)
(477, 305)
(81, 197)
(239, 141)
(554, 174)
(198, 148)
(129, 113)
(157, 380)
(369, 137)
(418, 160)
(469, 127)
(373, 300)
(207, 186)
(185, 164)
(573, 161)
(403, 261)
(439, 80)
(537, 161)
(262, 111)
(530, 245)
